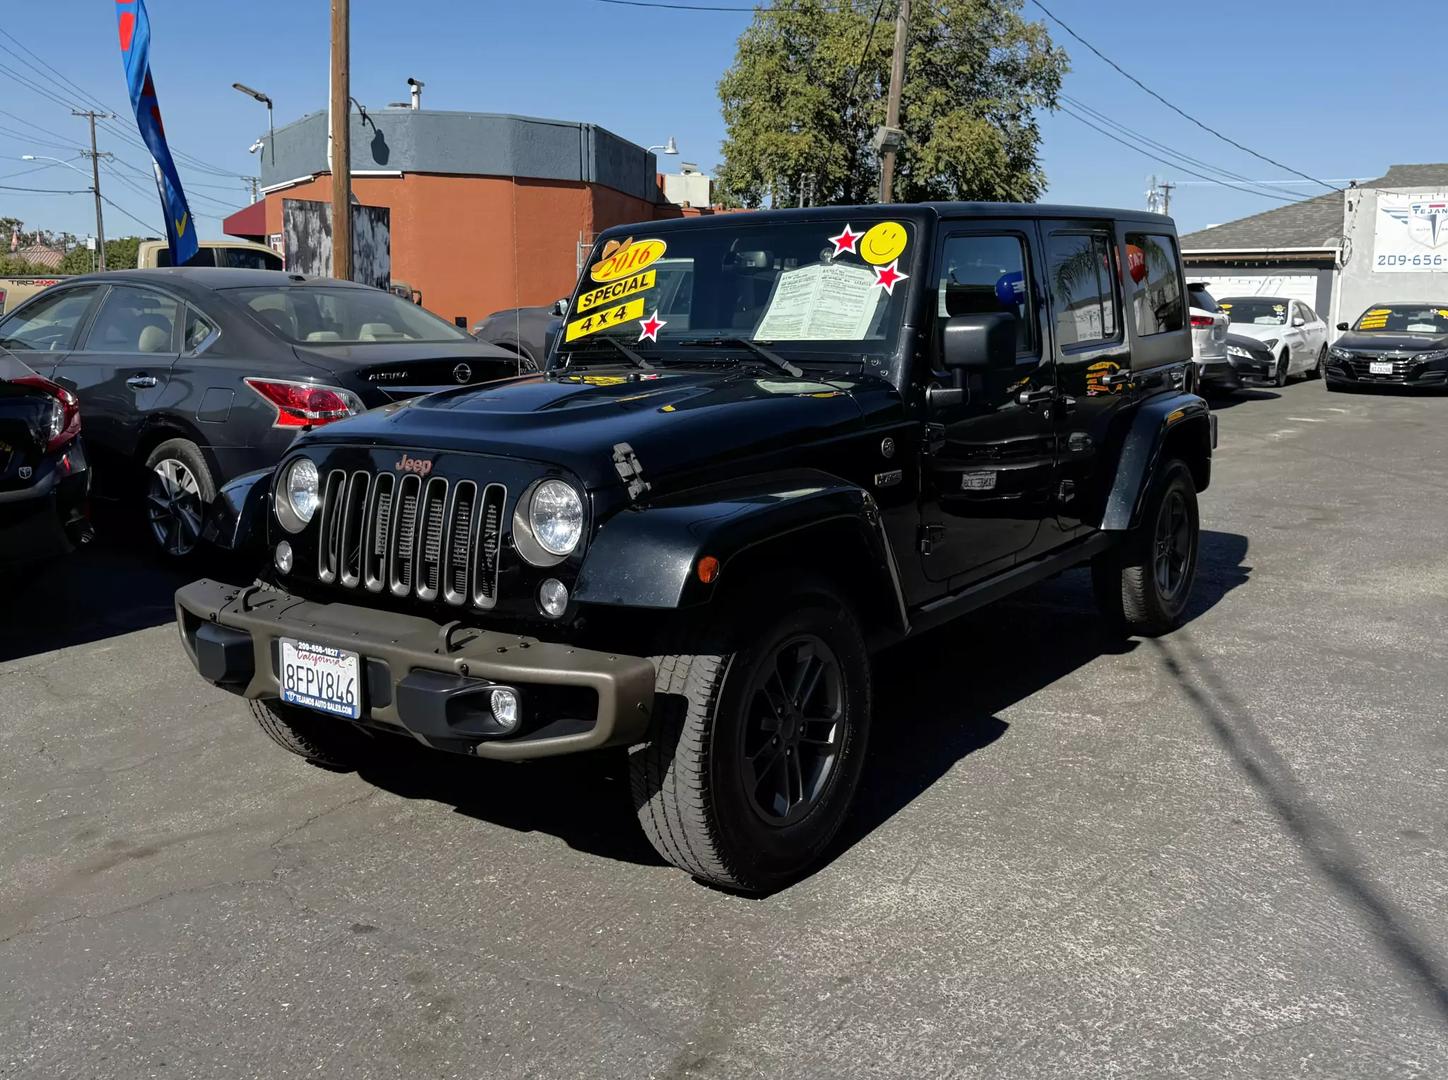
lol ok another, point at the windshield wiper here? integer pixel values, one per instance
(753, 346)
(633, 357)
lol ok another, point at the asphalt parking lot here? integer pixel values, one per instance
(1221, 854)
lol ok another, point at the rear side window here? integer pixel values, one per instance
(1080, 273)
(1156, 283)
(48, 324)
(982, 274)
(1201, 299)
(134, 320)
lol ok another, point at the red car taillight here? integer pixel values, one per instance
(1203, 322)
(302, 404)
(65, 424)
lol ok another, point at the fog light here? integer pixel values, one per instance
(504, 706)
(284, 557)
(552, 598)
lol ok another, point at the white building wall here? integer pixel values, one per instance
(1375, 243)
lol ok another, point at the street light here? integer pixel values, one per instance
(669, 147)
(93, 188)
(259, 96)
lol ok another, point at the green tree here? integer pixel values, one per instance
(805, 94)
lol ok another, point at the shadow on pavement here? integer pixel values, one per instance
(114, 585)
(1240, 397)
(937, 700)
(1325, 845)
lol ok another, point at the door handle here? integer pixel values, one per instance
(1036, 397)
(141, 382)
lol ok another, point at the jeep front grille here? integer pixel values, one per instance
(411, 536)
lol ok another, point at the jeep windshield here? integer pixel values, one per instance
(820, 289)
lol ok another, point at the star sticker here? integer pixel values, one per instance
(651, 327)
(887, 276)
(846, 241)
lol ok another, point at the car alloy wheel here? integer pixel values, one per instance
(173, 507)
(792, 734)
(1172, 550)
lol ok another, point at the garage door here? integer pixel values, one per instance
(1291, 286)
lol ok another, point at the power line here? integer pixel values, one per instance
(869, 37)
(680, 7)
(1164, 148)
(45, 191)
(1176, 165)
(1180, 112)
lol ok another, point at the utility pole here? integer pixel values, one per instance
(341, 142)
(95, 157)
(1167, 187)
(892, 103)
(254, 182)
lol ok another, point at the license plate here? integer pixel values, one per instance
(320, 677)
(1380, 367)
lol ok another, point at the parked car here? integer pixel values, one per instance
(191, 377)
(686, 536)
(1209, 334)
(235, 254)
(14, 291)
(1295, 335)
(44, 477)
(1396, 344)
(527, 331)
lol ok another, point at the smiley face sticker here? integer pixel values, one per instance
(884, 243)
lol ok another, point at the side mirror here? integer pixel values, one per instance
(560, 307)
(979, 342)
(1299, 321)
(1343, 326)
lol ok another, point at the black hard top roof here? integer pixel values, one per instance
(929, 211)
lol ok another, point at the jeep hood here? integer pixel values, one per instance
(675, 421)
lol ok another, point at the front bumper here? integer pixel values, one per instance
(1235, 372)
(1407, 372)
(422, 677)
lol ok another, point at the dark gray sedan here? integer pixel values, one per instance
(188, 378)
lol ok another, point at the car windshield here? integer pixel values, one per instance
(1405, 319)
(322, 315)
(1255, 311)
(823, 286)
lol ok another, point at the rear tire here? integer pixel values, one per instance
(1142, 587)
(756, 748)
(322, 741)
(179, 494)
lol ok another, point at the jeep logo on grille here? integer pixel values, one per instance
(412, 464)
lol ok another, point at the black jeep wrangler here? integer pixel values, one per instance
(765, 444)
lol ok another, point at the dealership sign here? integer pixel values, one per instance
(1411, 233)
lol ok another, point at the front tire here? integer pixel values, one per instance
(1142, 587)
(179, 490)
(1316, 370)
(756, 749)
(1284, 364)
(321, 740)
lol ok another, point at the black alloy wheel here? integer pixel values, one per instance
(790, 738)
(1173, 545)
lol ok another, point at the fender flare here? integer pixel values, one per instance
(1156, 421)
(646, 556)
(237, 521)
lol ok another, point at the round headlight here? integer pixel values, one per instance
(556, 517)
(299, 494)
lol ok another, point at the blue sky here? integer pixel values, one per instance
(1304, 82)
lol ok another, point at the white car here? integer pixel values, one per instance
(1294, 333)
(1209, 330)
